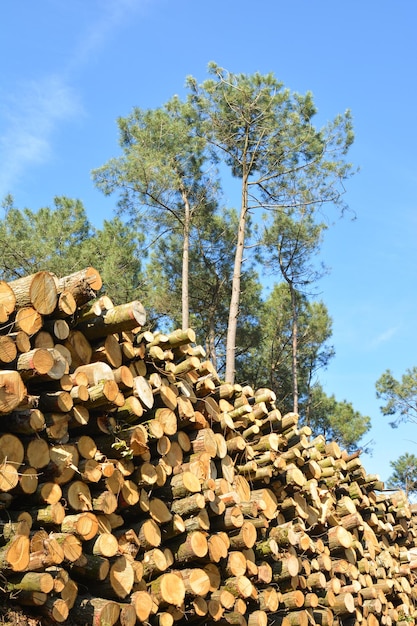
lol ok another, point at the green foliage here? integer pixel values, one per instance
(48, 239)
(161, 156)
(160, 178)
(265, 132)
(115, 251)
(202, 256)
(265, 135)
(400, 397)
(211, 262)
(337, 421)
(270, 363)
(291, 241)
(62, 240)
(404, 475)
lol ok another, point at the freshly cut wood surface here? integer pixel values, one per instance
(7, 299)
(66, 305)
(28, 320)
(142, 602)
(108, 351)
(168, 589)
(12, 390)
(82, 285)
(21, 339)
(96, 611)
(11, 449)
(118, 319)
(37, 361)
(15, 554)
(8, 349)
(38, 290)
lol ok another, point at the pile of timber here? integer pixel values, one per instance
(137, 487)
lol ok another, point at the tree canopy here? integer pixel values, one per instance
(404, 474)
(161, 171)
(247, 127)
(195, 258)
(265, 135)
(337, 420)
(400, 396)
(61, 239)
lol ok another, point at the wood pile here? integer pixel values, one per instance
(137, 487)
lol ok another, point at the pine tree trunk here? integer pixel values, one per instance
(185, 262)
(235, 296)
(294, 343)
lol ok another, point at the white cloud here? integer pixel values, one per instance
(30, 118)
(383, 337)
(112, 15)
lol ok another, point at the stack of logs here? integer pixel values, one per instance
(137, 487)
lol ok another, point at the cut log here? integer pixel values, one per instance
(25, 422)
(37, 290)
(168, 589)
(78, 496)
(28, 320)
(8, 349)
(12, 391)
(70, 544)
(9, 477)
(37, 361)
(90, 567)
(94, 372)
(148, 533)
(123, 377)
(81, 285)
(120, 318)
(83, 525)
(61, 401)
(66, 305)
(142, 390)
(194, 546)
(21, 340)
(11, 450)
(79, 348)
(269, 599)
(102, 394)
(245, 538)
(55, 609)
(28, 481)
(32, 581)
(127, 615)
(96, 611)
(142, 602)
(37, 453)
(43, 339)
(7, 299)
(183, 484)
(14, 556)
(196, 581)
(154, 562)
(108, 351)
(121, 577)
(20, 524)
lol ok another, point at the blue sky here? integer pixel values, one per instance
(69, 69)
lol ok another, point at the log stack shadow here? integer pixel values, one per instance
(137, 487)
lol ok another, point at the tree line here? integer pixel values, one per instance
(222, 202)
